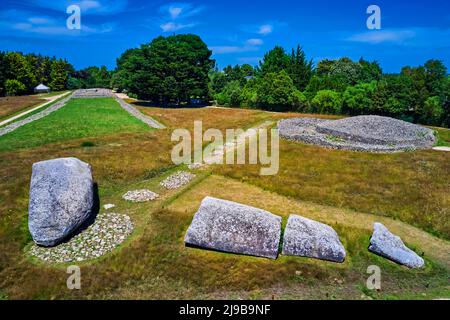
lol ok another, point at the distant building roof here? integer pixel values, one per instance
(41, 87)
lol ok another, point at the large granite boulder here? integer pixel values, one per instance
(308, 238)
(232, 227)
(388, 245)
(61, 199)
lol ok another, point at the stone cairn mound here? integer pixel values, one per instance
(232, 227)
(361, 133)
(177, 180)
(140, 196)
(390, 246)
(308, 238)
(108, 231)
(93, 93)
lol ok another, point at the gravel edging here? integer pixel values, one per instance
(137, 114)
(16, 125)
(107, 232)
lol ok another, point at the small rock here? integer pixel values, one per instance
(388, 245)
(109, 206)
(308, 238)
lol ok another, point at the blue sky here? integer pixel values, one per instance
(237, 31)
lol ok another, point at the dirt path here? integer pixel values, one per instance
(20, 115)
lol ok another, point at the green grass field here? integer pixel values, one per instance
(407, 192)
(80, 118)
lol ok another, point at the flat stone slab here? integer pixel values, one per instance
(362, 133)
(143, 195)
(390, 246)
(233, 227)
(61, 199)
(308, 238)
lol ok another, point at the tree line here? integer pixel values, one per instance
(178, 69)
(290, 82)
(21, 73)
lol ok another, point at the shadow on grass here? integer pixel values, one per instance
(147, 104)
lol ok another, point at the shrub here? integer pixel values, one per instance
(358, 99)
(327, 101)
(14, 87)
(276, 91)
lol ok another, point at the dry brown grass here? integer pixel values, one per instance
(155, 264)
(12, 105)
(412, 187)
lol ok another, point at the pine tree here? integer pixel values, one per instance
(301, 70)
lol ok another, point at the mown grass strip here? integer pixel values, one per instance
(79, 118)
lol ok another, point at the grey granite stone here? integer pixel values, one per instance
(61, 199)
(388, 245)
(308, 238)
(232, 227)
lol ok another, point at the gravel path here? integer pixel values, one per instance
(363, 133)
(93, 93)
(137, 114)
(108, 231)
(15, 125)
(47, 102)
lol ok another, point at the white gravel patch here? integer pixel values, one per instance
(107, 232)
(194, 166)
(177, 180)
(143, 195)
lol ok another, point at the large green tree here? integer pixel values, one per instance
(274, 61)
(59, 75)
(168, 70)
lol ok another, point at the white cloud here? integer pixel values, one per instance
(232, 49)
(265, 29)
(88, 7)
(175, 12)
(39, 20)
(31, 24)
(375, 37)
(255, 42)
(172, 26)
(249, 60)
(176, 16)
